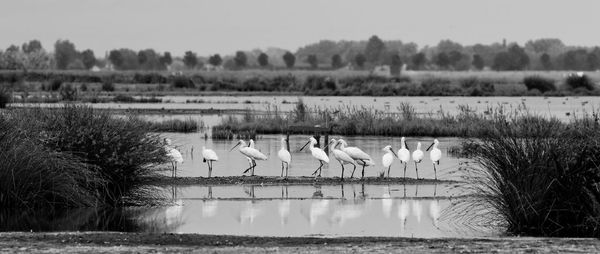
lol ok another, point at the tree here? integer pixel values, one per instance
(360, 60)
(32, 46)
(336, 61)
(166, 59)
(546, 61)
(116, 58)
(418, 60)
(148, 59)
(478, 62)
(190, 59)
(442, 60)
(313, 61)
(88, 59)
(64, 53)
(12, 48)
(512, 60)
(240, 59)
(374, 50)
(289, 59)
(263, 60)
(215, 60)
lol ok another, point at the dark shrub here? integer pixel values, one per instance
(83, 87)
(68, 93)
(5, 96)
(55, 84)
(108, 86)
(541, 84)
(575, 81)
(182, 82)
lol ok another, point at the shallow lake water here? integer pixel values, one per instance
(233, 163)
(330, 211)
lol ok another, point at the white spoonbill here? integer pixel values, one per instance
(340, 156)
(388, 158)
(358, 155)
(209, 156)
(318, 153)
(435, 155)
(404, 154)
(251, 145)
(174, 156)
(251, 153)
(285, 157)
(417, 157)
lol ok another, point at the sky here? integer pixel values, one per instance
(225, 26)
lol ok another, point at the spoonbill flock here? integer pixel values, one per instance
(339, 148)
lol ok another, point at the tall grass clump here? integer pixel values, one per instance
(123, 151)
(176, 125)
(540, 176)
(34, 176)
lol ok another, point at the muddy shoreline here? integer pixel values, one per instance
(174, 243)
(295, 180)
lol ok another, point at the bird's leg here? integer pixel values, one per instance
(363, 169)
(417, 170)
(342, 171)
(209, 168)
(320, 169)
(282, 169)
(352, 176)
(253, 166)
(172, 169)
(389, 171)
(405, 171)
(434, 171)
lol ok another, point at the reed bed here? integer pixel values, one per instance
(176, 125)
(537, 176)
(78, 156)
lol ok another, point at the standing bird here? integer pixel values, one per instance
(174, 156)
(404, 154)
(388, 158)
(340, 156)
(417, 157)
(435, 155)
(251, 153)
(318, 153)
(285, 157)
(208, 156)
(358, 155)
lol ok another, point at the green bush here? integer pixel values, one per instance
(5, 96)
(575, 82)
(55, 84)
(541, 84)
(182, 82)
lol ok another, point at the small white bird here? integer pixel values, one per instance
(251, 153)
(340, 156)
(404, 154)
(285, 157)
(251, 145)
(174, 156)
(388, 158)
(318, 153)
(417, 157)
(209, 156)
(358, 155)
(435, 155)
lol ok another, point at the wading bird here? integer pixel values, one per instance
(358, 155)
(318, 153)
(209, 156)
(404, 154)
(251, 153)
(435, 155)
(388, 158)
(340, 156)
(174, 156)
(417, 157)
(285, 157)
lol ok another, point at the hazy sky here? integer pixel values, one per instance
(224, 26)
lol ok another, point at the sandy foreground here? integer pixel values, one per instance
(113, 242)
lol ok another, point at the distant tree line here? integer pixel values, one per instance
(540, 54)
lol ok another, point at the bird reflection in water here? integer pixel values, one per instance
(386, 202)
(284, 205)
(434, 208)
(350, 209)
(210, 205)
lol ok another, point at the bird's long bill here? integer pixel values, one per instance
(429, 147)
(394, 152)
(234, 146)
(305, 145)
(406, 145)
